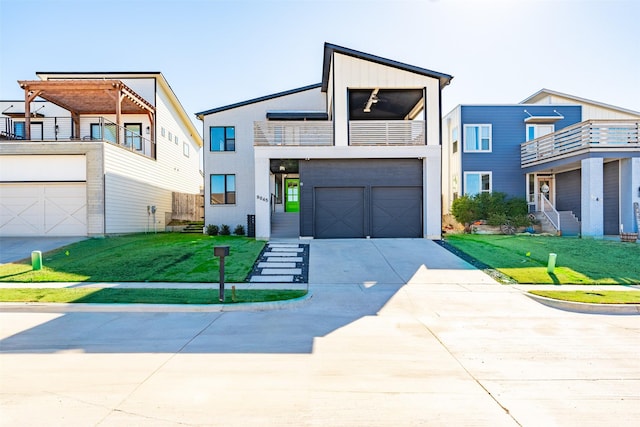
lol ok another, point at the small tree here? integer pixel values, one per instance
(212, 230)
(239, 230)
(225, 230)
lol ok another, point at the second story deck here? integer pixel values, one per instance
(587, 136)
(92, 129)
(321, 133)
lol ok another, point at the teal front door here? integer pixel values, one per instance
(292, 195)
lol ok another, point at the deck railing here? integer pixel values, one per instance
(386, 132)
(308, 133)
(603, 134)
(60, 129)
(361, 132)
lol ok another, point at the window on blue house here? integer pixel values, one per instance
(223, 138)
(477, 182)
(223, 189)
(477, 138)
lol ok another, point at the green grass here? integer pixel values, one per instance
(162, 257)
(579, 261)
(595, 296)
(143, 296)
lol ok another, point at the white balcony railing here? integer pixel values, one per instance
(61, 129)
(601, 134)
(361, 132)
(389, 132)
(293, 133)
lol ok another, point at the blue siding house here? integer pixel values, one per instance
(576, 161)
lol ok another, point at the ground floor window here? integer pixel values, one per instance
(477, 182)
(223, 189)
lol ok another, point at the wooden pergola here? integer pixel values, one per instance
(86, 97)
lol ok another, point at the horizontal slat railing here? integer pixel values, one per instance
(61, 129)
(604, 134)
(386, 132)
(308, 133)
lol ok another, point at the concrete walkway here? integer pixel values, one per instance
(397, 333)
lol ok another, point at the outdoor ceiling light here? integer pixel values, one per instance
(373, 98)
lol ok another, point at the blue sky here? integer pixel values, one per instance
(216, 52)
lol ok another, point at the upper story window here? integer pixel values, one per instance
(223, 138)
(185, 149)
(537, 130)
(477, 138)
(19, 130)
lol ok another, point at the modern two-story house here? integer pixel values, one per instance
(576, 161)
(355, 156)
(88, 154)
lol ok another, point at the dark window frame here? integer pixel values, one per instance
(228, 195)
(229, 141)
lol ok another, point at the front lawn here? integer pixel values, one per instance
(579, 261)
(144, 296)
(593, 296)
(162, 257)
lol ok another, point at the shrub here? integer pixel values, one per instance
(225, 230)
(495, 208)
(464, 209)
(239, 230)
(212, 230)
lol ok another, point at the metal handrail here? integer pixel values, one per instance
(546, 207)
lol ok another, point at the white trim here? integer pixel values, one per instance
(479, 126)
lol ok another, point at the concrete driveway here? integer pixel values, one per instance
(397, 333)
(17, 248)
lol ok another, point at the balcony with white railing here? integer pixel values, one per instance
(590, 135)
(62, 129)
(320, 133)
(297, 133)
(386, 132)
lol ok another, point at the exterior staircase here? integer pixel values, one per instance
(194, 228)
(569, 224)
(285, 224)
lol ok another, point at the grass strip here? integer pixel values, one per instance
(594, 296)
(162, 257)
(579, 261)
(144, 295)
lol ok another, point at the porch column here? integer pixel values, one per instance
(431, 203)
(592, 194)
(262, 198)
(629, 192)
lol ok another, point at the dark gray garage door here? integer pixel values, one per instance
(396, 211)
(339, 212)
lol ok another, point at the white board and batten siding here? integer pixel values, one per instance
(352, 73)
(43, 195)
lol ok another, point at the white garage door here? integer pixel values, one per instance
(52, 209)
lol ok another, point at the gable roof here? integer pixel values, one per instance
(329, 49)
(201, 114)
(546, 92)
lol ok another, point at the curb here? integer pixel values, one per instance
(587, 308)
(34, 307)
